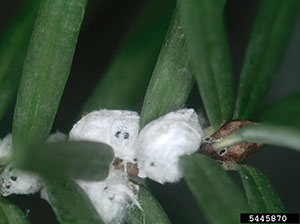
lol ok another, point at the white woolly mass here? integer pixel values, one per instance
(57, 137)
(44, 195)
(5, 149)
(6, 145)
(14, 181)
(163, 141)
(111, 197)
(117, 128)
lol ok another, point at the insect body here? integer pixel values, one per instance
(162, 141)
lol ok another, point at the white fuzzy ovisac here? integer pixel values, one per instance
(14, 181)
(117, 128)
(5, 149)
(112, 197)
(162, 141)
(57, 137)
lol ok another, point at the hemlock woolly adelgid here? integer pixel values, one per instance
(5, 149)
(6, 145)
(15, 181)
(163, 141)
(117, 128)
(112, 197)
(57, 137)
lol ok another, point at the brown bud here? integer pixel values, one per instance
(235, 153)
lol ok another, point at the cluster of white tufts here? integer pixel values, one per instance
(113, 196)
(156, 150)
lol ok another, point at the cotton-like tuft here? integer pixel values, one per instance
(117, 128)
(163, 141)
(14, 181)
(5, 149)
(57, 137)
(112, 197)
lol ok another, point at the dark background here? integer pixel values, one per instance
(105, 25)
